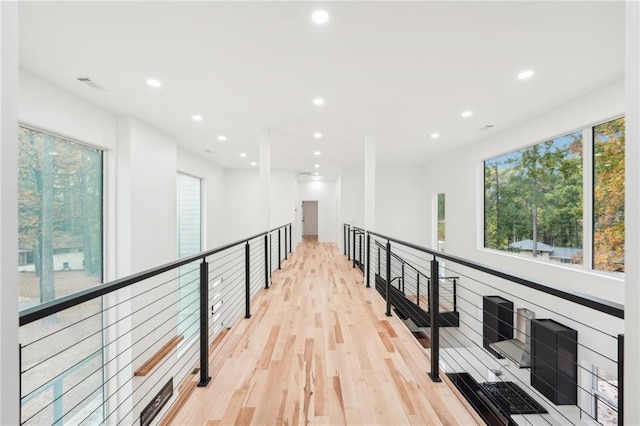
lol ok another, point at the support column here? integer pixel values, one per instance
(369, 184)
(264, 167)
(9, 363)
(632, 205)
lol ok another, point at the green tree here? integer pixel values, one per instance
(60, 204)
(536, 194)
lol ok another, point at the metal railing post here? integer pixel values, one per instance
(620, 379)
(247, 281)
(279, 250)
(402, 279)
(378, 260)
(435, 322)
(290, 237)
(388, 313)
(353, 245)
(348, 242)
(344, 239)
(270, 255)
(455, 295)
(418, 289)
(266, 261)
(204, 324)
(360, 249)
(285, 243)
(368, 259)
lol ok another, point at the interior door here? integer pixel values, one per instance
(309, 218)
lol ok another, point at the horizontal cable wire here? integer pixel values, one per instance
(105, 310)
(100, 350)
(578, 322)
(534, 304)
(577, 364)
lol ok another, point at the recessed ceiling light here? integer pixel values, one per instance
(320, 17)
(317, 135)
(435, 135)
(525, 75)
(154, 82)
(318, 101)
(222, 138)
(253, 163)
(317, 166)
(316, 174)
(242, 154)
(316, 153)
(196, 117)
(467, 114)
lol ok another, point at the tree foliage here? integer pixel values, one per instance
(60, 204)
(536, 194)
(608, 196)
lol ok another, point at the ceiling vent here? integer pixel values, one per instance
(487, 127)
(90, 83)
(304, 173)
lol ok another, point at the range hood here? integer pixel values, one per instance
(518, 350)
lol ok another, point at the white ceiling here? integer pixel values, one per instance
(405, 69)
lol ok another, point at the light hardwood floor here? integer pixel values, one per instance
(319, 350)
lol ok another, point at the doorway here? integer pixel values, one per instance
(310, 219)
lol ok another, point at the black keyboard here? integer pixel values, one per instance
(510, 398)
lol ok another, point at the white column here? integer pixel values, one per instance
(9, 366)
(369, 188)
(370, 180)
(264, 166)
(632, 207)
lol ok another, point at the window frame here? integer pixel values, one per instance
(588, 172)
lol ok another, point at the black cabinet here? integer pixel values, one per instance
(554, 361)
(497, 321)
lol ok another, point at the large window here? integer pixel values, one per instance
(60, 252)
(533, 200)
(608, 196)
(189, 242)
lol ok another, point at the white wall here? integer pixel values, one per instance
(459, 176)
(325, 194)
(52, 109)
(9, 397)
(242, 204)
(283, 199)
(352, 196)
(401, 205)
(632, 221)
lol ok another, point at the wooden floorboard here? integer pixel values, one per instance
(319, 350)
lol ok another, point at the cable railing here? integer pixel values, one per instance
(353, 243)
(280, 246)
(521, 351)
(119, 352)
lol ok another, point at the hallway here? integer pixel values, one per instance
(318, 349)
